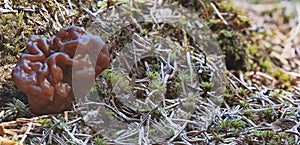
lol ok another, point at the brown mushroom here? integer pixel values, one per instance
(49, 68)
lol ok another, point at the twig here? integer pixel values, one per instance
(205, 9)
(59, 140)
(218, 13)
(148, 115)
(50, 137)
(48, 132)
(241, 82)
(7, 11)
(26, 132)
(74, 121)
(178, 133)
(74, 139)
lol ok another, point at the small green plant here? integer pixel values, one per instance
(156, 66)
(206, 86)
(177, 85)
(227, 33)
(244, 92)
(152, 75)
(157, 85)
(266, 64)
(224, 125)
(247, 112)
(100, 141)
(189, 103)
(218, 138)
(281, 135)
(174, 54)
(291, 113)
(93, 89)
(144, 32)
(277, 73)
(273, 142)
(186, 77)
(15, 138)
(265, 135)
(237, 124)
(62, 125)
(110, 112)
(17, 107)
(269, 114)
(227, 6)
(227, 93)
(275, 95)
(111, 75)
(291, 141)
(284, 77)
(115, 78)
(254, 117)
(46, 122)
(252, 49)
(244, 104)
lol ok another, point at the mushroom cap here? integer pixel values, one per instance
(48, 69)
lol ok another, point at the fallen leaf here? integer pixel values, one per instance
(4, 141)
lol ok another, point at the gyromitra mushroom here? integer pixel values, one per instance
(49, 68)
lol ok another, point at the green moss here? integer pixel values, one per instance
(157, 85)
(284, 77)
(153, 75)
(276, 74)
(266, 64)
(226, 33)
(206, 86)
(45, 122)
(237, 124)
(247, 112)
(252, 49)
(266, 135)
(244, 104)
(230, 37)
(244, 92)
(254, 118)
(12, 27)
(99, 140)
(229, 7)
(269, 115)
(116, 79)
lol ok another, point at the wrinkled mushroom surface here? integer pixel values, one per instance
(48, 68)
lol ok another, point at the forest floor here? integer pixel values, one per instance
(255, 100)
